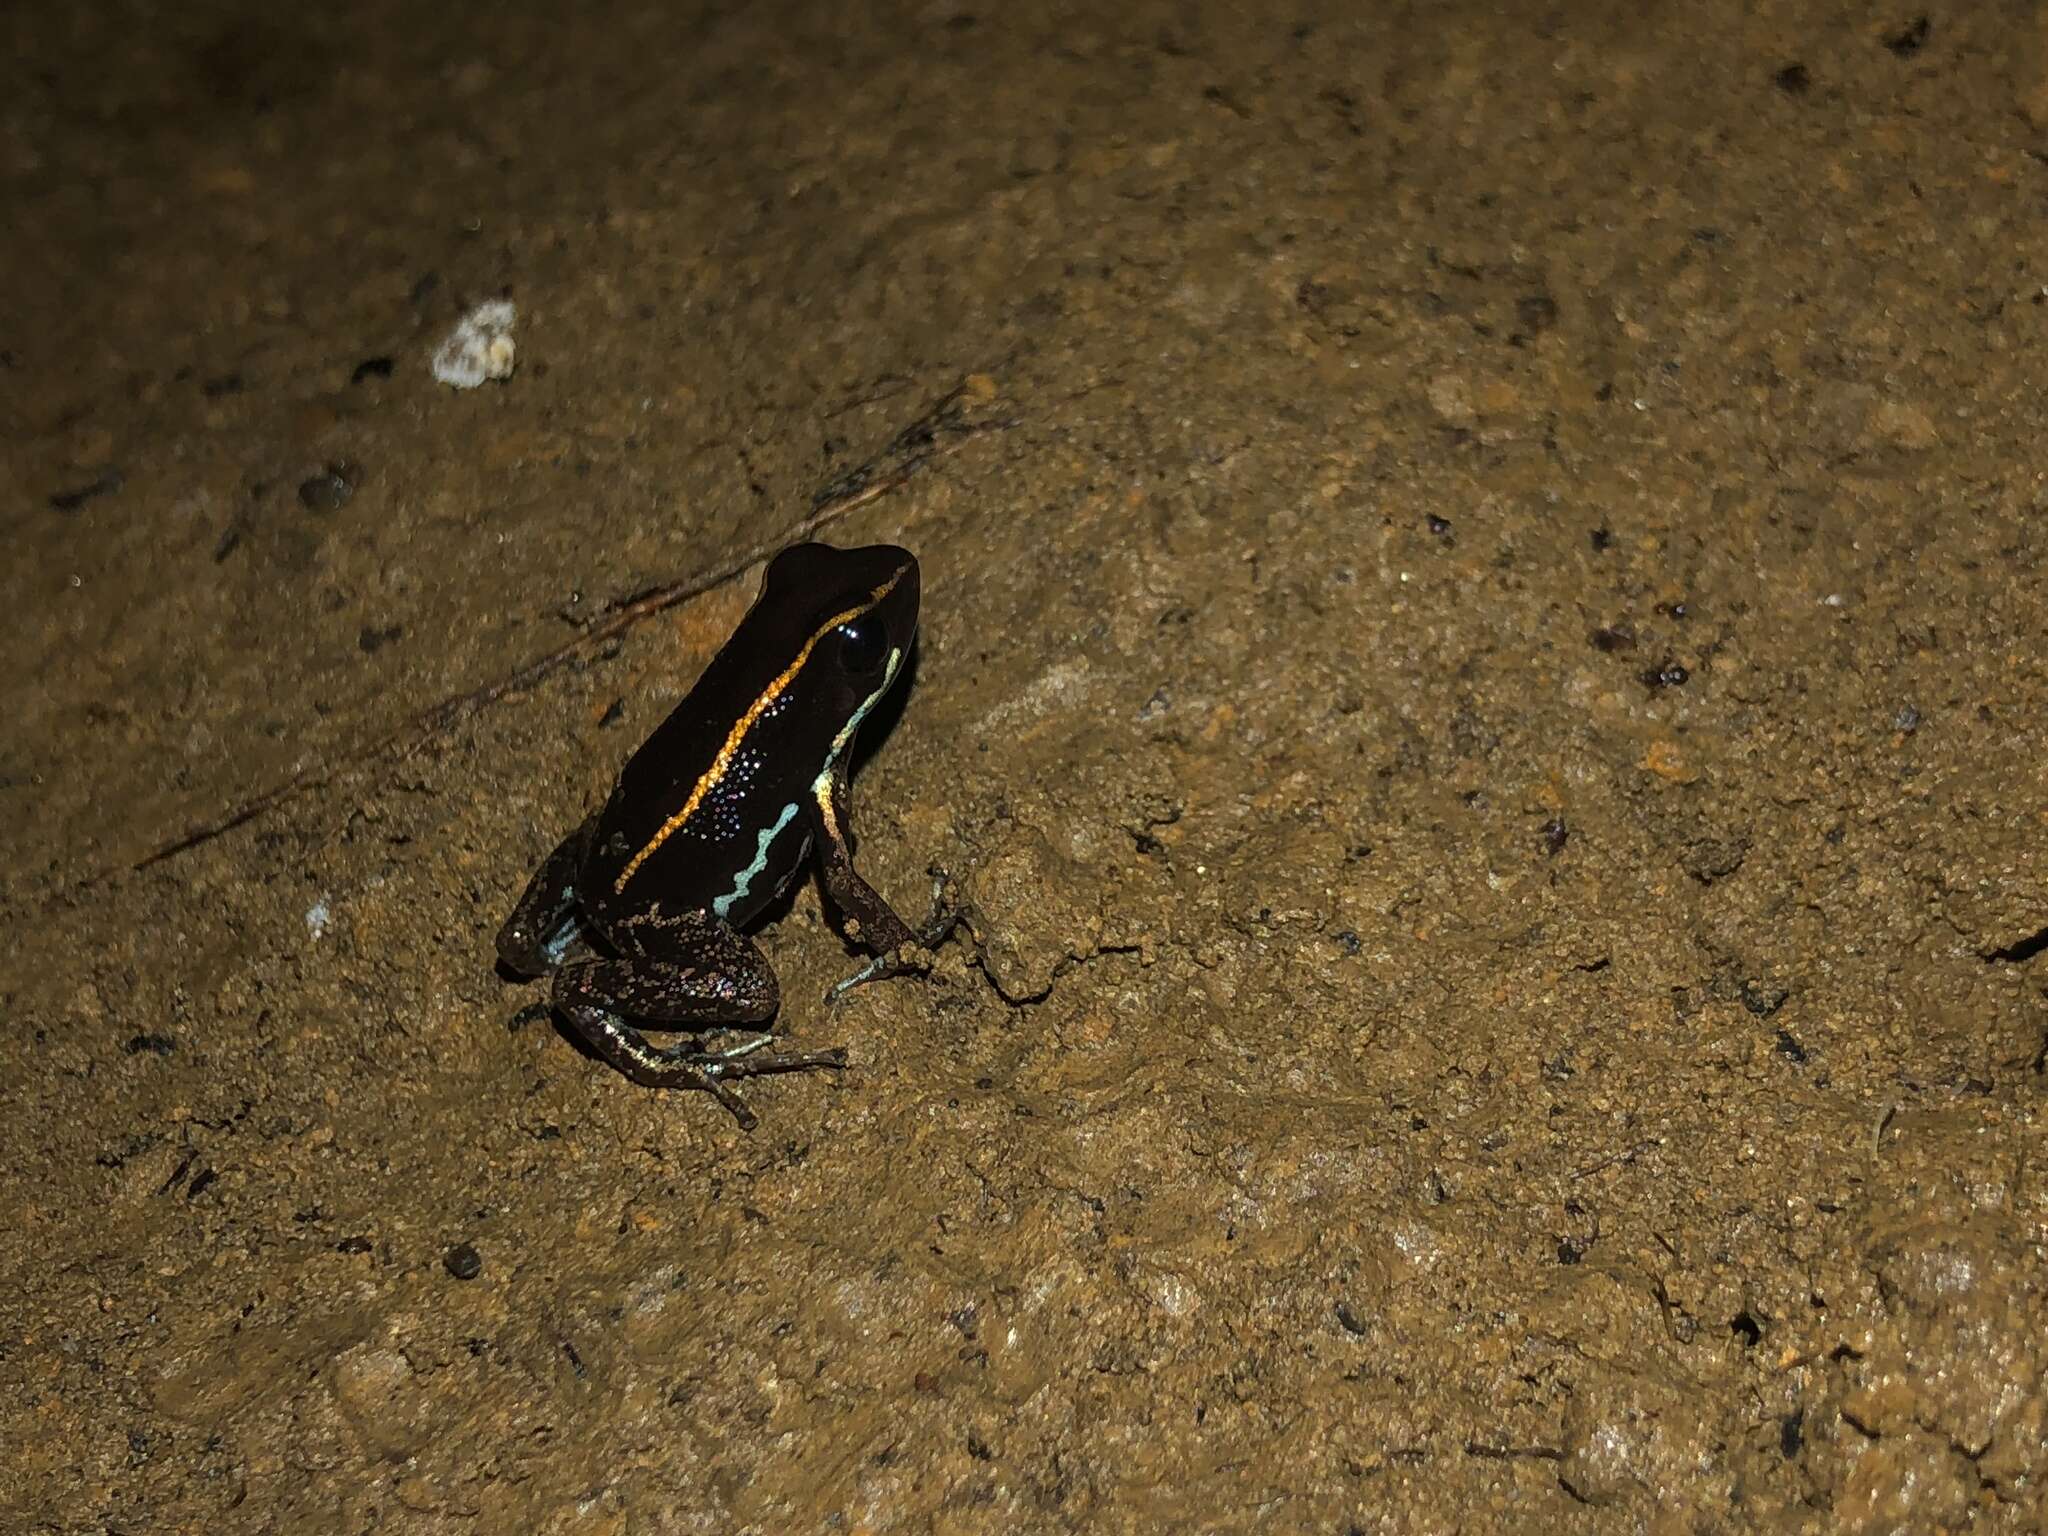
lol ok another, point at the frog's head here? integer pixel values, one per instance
(848, 619)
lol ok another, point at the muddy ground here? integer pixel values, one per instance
(1481, 670)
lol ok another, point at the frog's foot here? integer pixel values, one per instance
(532, 1013)
(746, 1060)
(688, 1064)
(914, 957)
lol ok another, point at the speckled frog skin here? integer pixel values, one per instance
(637, 915)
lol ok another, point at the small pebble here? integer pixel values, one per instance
(329, 490)
(463, 1262)
(479, 348)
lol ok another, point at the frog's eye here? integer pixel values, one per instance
(861, 646)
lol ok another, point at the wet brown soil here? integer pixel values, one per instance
(1484, 680)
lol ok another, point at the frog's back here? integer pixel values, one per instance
(687, 817)
(709, 813)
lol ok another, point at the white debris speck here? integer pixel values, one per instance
(1173, 1295)
(480, 347)
(316, 918)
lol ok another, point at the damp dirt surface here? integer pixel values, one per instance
(1481, 673)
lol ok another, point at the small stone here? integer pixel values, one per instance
(1665, 759)
(1451, 398)
(329, 490)
(1712, 856)
(367, 1378)
(480, 347)
(377, 1391)
(463, 1261)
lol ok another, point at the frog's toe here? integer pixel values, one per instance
(746, 1061)
(944, 919)
(912, 958)
(872, 971)
(532, 1013)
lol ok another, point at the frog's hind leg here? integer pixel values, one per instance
(685, 1065)
(628, 1051)
(690, 972)
(542, 929)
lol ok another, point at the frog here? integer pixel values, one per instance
(639, 916)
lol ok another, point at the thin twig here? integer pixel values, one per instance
(940, 430)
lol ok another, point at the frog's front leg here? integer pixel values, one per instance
(870, 921)
(689, 972)
(543, 927)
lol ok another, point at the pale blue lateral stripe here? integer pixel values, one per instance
(563, 939)
(846, 731)
(723, 905)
